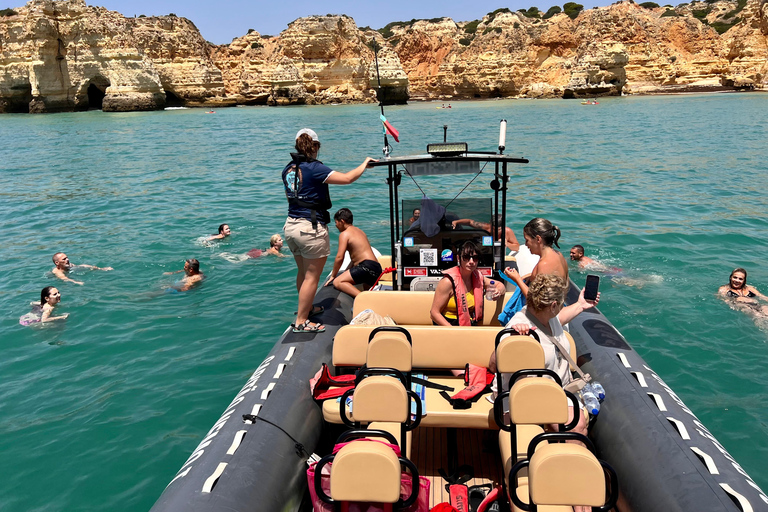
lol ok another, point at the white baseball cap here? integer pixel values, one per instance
(309, 132)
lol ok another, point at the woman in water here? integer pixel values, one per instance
(540, 235)
(41, 312)
(743, 294)
(459, 295)
(306, 181)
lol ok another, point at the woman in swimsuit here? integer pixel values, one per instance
(738, 290)
(540, 235)
(41, 313)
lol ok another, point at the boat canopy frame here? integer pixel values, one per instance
(433, 165)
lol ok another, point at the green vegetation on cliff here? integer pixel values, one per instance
(555, 9)
(7, 12)
(572, 9)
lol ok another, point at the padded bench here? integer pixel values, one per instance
(412, 308)
(434, 348)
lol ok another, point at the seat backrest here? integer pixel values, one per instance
(386, 262)
(367, 472)
(380, 398)
(518, 353)
(434, 347)
(412, 308)
(390, 350)
(537, 401)
(566, 474)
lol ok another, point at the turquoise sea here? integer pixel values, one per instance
(99, 412)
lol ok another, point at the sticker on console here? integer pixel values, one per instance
(485, 271)
(446, 255)
(415, 271)
(408, 241)
(428, 257)
(487, 241)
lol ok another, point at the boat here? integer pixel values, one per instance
(255, 456)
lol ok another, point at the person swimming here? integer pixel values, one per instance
(41, 311)
(192, 276)
(224, 232)
(744, 296)
(63, 266)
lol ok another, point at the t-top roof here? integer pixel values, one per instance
(465, 163)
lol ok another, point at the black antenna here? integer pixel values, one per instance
(380, 95)
(445, 133)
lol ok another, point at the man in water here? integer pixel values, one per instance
(192, 277)
(509, 236)
(365, 267)
(577, 254)
(224, 232)
(63, 266)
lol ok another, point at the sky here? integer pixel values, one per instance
(223, 20)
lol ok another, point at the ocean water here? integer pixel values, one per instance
(100, 411)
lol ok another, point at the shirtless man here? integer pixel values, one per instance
(63, 266)
(365, 268)
(416, 215)
(509, 236)
(192, 277)
(577, 254)
(224, 232)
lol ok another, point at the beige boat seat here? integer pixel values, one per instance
(364, 471)
(534, 403)
(380, 402)
(563, 475)
(412, 308)
(389, 348)
(386, 262)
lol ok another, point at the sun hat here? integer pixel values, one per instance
(309, 132)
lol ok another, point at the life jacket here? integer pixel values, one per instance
(460, 295)
(293, 182)
(323, 386)
(477, 381)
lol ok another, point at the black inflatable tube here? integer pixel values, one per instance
(652, 455)
(266, 471)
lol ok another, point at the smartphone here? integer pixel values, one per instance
(590, 288)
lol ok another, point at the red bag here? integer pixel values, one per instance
(323, 386)
(421, 505)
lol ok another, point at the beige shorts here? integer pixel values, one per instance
(304, 241)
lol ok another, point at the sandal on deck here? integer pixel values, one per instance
(308, 327)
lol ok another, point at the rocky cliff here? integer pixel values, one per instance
(319, 59)
(65, 55)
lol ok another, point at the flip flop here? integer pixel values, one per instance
(316, 310)
(307, 328)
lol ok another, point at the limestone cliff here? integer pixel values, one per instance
(319, 59)
(64, 56)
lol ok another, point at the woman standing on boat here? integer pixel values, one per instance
(540, 235)
(459, 295)
(743, 294)
(306, 182)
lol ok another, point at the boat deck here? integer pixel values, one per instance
(477, 448)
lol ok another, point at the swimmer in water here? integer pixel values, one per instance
(744, 296)
(41, 312)
(224, 232)
(63, 266)
(192, 277)
(577, 254)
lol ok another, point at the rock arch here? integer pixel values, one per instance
(92, 93)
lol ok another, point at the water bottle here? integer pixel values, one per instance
(490, 293)
(590, 401)
(598, 390)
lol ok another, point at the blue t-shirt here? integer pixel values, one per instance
(311, 189)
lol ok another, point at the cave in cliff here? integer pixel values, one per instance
(171, 100)
(18, 101)
(95, 97)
